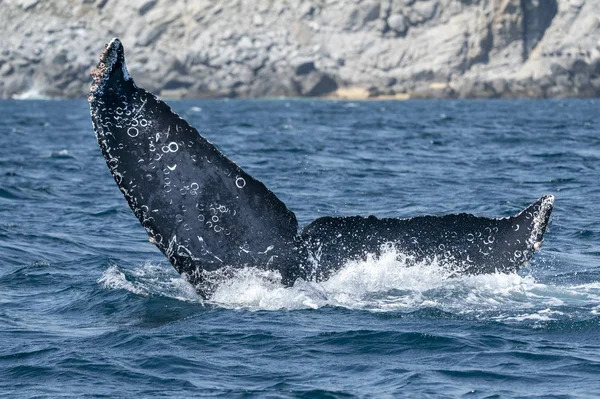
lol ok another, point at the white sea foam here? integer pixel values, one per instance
(149, 279)
(391, 282)
(541, 315)
(386, 283)
(113, 278)
(31, 94)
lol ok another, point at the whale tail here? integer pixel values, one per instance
(208, 216)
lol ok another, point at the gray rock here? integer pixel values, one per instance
(397, 23)
(17, 85)
(146, 6)
(558, 70)
(595, 67)
(371, 12)
(316, 84)
(305, 68)
(59, 59)
(580, 67)
(307, 10)
(425, 10)
(101, 4)
(273, 87)
(563, 81)
(152, 35)
(28, 4)
(508, 48)
(176, 82)
(388, 81)
(477, 89)
(6, 69)
(559, 91)
(595, 85)
(499, 86)
(422, 12)
(257, 20)
(362, 14)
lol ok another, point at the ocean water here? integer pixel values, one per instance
(89, 308)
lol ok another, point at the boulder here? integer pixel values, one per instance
(315, 84)
(397, 23)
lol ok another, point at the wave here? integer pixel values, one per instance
(149, 280)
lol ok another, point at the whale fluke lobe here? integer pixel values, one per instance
(199, 208)
(466, 243)
(209, 217)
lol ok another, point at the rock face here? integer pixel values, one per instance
(266, 48)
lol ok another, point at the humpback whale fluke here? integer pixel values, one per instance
(208, 216)
(467, 243)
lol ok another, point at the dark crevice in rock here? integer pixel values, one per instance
(146, 6)
(386, 14)
(305, 68)
(537, 17)
(486, 44)
(315, 83)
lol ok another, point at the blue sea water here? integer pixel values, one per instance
(89, 308)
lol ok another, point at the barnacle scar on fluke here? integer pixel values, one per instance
(209, 217)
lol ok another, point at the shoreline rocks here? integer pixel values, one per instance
(388, 49)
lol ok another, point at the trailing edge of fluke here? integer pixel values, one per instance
(210, 218)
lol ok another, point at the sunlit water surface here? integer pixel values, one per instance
(88, 307)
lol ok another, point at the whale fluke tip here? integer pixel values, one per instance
(541, 211)
(112, 49)
(111, 58)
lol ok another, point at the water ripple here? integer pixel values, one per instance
(88, 307)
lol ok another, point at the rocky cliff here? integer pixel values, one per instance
(343, 48)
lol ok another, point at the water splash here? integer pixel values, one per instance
(149, 280)
(34, 93)
(391, 282)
